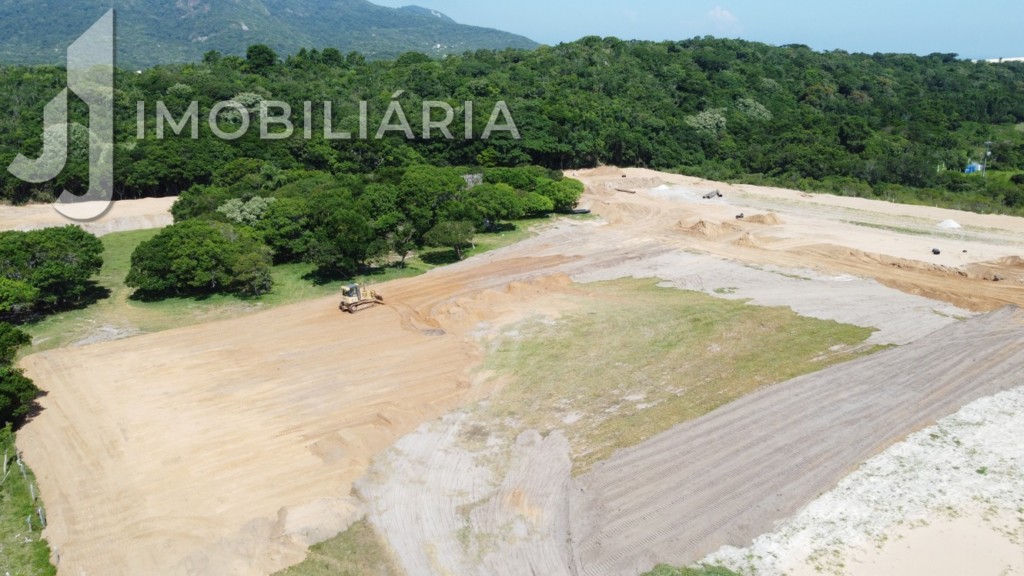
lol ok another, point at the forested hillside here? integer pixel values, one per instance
(152, 33)
(883, 125)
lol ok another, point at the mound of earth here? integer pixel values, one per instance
(1010, 262)
(747, 241)
(769, 219)
(712, 230)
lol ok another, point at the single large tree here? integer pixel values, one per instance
(198, 257)
(455, 235)
(58, 263)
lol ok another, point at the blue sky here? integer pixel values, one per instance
(985, 30)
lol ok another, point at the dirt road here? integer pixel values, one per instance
(123, 215)
(226, 448)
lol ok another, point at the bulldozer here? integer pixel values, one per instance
(357, 296)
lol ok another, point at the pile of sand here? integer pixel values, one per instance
(747, 241)
(769, 219)
(1010, 262)
(711, 230)
(509, 303)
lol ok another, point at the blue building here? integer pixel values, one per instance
(972, 168)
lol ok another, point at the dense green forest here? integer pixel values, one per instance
(882, 125)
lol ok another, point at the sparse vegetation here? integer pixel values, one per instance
(22, 548)
(637, 359)
(357, 551)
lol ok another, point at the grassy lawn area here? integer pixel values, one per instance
(118, 316)
(23, 551)
(635, 360)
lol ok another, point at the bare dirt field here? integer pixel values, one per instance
(226, 448)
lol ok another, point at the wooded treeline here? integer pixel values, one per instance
(881, 125)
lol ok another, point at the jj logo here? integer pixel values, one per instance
(91, 77)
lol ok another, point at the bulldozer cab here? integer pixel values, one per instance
(351, 291)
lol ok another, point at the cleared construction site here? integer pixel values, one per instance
(231, 447)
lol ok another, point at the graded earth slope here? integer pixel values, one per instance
(225, 448)
(729, 476)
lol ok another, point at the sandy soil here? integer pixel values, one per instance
(229, 447)
(947, 500)
(123, 216)
(225, 448)
(946, 548)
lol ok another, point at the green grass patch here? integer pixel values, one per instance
(663, 570)
(356, 552)
(119, 316)
(635, 360)
(23, 551)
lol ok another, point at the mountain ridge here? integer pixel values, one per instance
(151, 33)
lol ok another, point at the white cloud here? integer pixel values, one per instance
(722, 17)
(724, 21)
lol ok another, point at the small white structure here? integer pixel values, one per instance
(950, 225)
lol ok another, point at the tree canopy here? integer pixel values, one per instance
(878, 125)
(51, 268)
(455, 235)
(340, 223)
(200, 257)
